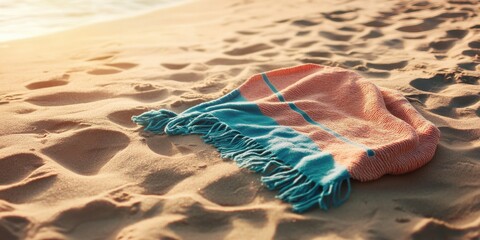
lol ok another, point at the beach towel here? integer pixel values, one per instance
(308, 130)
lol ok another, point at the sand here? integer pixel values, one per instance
(73, 165)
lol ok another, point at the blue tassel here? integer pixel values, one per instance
(155, 120)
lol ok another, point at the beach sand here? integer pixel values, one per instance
(74, 166)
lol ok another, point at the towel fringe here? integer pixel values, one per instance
(154, 120)
(292, 185)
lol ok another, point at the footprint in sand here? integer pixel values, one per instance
(148, 96)
(212, 84)
(376, 74)
(319, 54)
(433, 84)
(95, 211)
(455, 15)
(233, 190)
(377, 23)
(442, 45)
(270, 54)
(441, 81)
(117, 68)
(339, 47)
(280, 41)
(197, 220)
(248, 49)
(474, 44)
(32, 181)
(105, 57)
(341, 16)
(456, 106)
(436, 229)
(474, 51)
(67, 98)
(304, 23)
(87, 151)
(124, 117)
(426, 25)
(247, 32)
(464, 101)
(56, 126)
(168, 145)
(122, 65)
(387, 66)
(103, 71)
(54, 82)
(335, 36)
(302, 33)
(152, 225)
(471, 66)
(230, 40)
(444, 111)
(456, 33)
(227, 61)
(303, 44)
(185, 76)
(18, 166)
(463, 2)
(452, 135)
(161, 181)
(372, 34)
(471, 52)
(351, 29)
(356, 64)
(175, 66)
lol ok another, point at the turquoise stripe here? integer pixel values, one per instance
(292, 147)
(307, 118)
(291, 162)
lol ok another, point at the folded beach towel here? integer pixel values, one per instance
(308, 129)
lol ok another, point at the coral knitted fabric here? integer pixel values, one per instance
(309, 129)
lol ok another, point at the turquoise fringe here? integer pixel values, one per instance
(293, 187)
(154, 121)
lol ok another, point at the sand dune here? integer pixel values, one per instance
(74, 166)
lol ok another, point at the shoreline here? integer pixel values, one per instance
(111, 19)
